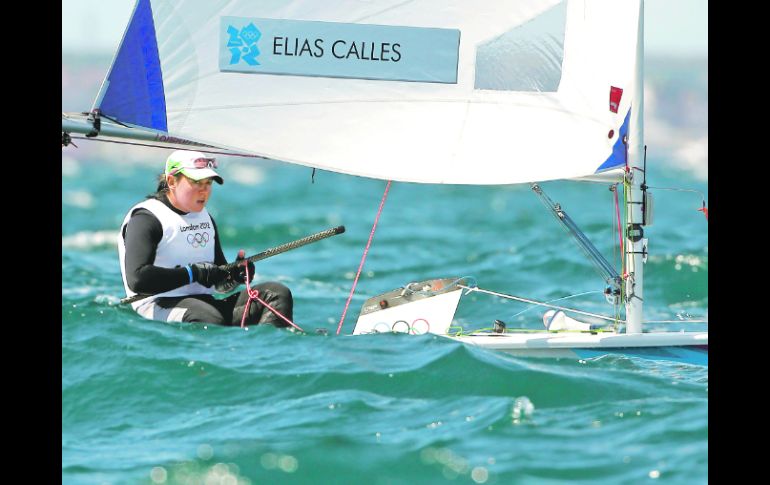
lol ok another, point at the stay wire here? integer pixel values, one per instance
(363, 258)
(167, 147)
(534, 302)
(597, 267)
(557, 299)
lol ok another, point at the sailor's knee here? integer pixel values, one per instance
(279, 290)
(200, 315)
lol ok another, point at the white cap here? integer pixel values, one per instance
(194, 165)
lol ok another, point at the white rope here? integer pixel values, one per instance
(674, 189)
(525, 300)
(557, 299)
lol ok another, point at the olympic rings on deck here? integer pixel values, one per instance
(425, 328)
(418, 327)
(401, 326)
(381, 327)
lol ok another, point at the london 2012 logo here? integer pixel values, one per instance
(242, 44)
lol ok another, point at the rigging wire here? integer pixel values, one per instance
(703, 197)
(703, 208)
(534, 302)
(363, 258)
(186, 147)
(614, 190)
(558, 299)
(578, 237)
(627, 201)
(619, 248)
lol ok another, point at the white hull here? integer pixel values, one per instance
(690, 347)
(429, 307)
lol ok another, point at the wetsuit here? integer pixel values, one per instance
(157, 241)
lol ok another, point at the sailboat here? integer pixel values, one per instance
(423, 91)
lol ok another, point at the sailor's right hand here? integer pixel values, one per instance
(238, 274)
(208, 274)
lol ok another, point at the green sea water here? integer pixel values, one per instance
(147, 402)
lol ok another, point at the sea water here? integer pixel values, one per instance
(149, 402)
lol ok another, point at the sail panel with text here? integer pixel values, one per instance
(429, 91)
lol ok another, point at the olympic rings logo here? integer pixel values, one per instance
(418, 327)
(198, 239)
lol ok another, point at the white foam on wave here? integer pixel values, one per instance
(70, 167)
(89, 240)
(78, 198)
(243, 173)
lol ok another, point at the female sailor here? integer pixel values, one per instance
(169, 248)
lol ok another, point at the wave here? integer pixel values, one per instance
(90, 240)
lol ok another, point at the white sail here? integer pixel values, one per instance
(482, 92)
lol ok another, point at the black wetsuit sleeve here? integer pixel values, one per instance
(219, 255)
(142, 235)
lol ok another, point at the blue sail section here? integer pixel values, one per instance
(618, 156)
(134, 93)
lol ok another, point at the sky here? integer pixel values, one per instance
(672, 27)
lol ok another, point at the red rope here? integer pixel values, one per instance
(363, 258)
(254, 295)
(620, 230)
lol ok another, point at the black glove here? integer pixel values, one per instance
(208, 274)
(238, 274)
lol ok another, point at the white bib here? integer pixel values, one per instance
(187, 238)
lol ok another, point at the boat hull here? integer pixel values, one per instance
(690, 348)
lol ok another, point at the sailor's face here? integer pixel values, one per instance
(191, 195)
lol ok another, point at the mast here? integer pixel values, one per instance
(635, 241)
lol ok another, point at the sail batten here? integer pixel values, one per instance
(520, 90)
